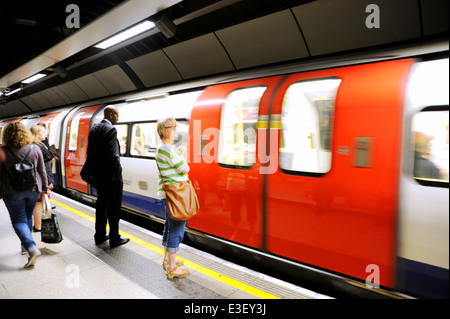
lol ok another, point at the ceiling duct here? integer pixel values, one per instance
(166, 26)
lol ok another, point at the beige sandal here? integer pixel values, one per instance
(170, 273)
(166, 263)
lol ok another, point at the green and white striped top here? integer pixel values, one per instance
(171, 163)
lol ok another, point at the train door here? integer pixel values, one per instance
(224, 161)
(332, 201)
(423, 254)
(76, 146)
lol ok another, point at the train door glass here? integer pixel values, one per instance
(430, 141)
(122, 135)
(237, 139)
(144, 138)
(307, 117)
(73, 137)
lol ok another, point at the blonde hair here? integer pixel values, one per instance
(161, 125)
(16, 134)
(35, 130)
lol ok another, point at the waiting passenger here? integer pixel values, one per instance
(40, 134)
(423, 166)
(20, 203)
(103, 152)
(173, 167)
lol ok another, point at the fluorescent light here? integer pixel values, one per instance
(144, 26)
(12, 92)
(148, 97)
(34, 78)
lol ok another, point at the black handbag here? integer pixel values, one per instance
(88, 172)
(50, 231)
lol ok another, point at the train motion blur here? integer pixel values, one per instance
(343, 169)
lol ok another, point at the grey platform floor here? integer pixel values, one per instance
(77, 268)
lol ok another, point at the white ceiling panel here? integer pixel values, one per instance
(91, 86)
(14, 107)
(154, 69)
(62, 95)
(336, 25)
(115, 80)
(41, 101)
(52, 97)
(31, 102)
(272, 38)
(200, 56)
(73, 92)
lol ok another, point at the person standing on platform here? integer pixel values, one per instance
(103, 152)
(173, 168)
(40, 134)
(17, 145)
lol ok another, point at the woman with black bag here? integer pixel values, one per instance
(20, 200)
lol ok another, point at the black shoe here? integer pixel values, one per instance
(118, 242)
(36, 230)
(100, 241)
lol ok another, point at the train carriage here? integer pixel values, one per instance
(314, 167)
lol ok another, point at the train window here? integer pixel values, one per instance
(73, 131)
(122, 135)
(306, 118)
(430, 141)
(237, 139)
(143, 139)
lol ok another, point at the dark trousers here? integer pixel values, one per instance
(108, 208)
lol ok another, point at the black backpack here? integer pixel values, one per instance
(23, 176)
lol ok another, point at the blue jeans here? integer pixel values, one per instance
(20, 207)
(173, 232)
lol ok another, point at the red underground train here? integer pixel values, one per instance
(314, 167)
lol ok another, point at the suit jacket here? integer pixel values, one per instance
(104, 152)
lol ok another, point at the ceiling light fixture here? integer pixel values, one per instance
(34, 78)
(127, 34)
(148, 97)
(12, 92)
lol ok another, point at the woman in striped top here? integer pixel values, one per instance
(173, 169)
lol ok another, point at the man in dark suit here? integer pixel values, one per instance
(104, 153)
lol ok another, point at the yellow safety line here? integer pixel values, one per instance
(206, 271)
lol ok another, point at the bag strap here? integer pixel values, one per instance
(17, 160)
(28, 153)
(47, 208)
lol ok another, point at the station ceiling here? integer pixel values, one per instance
(193, 39)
